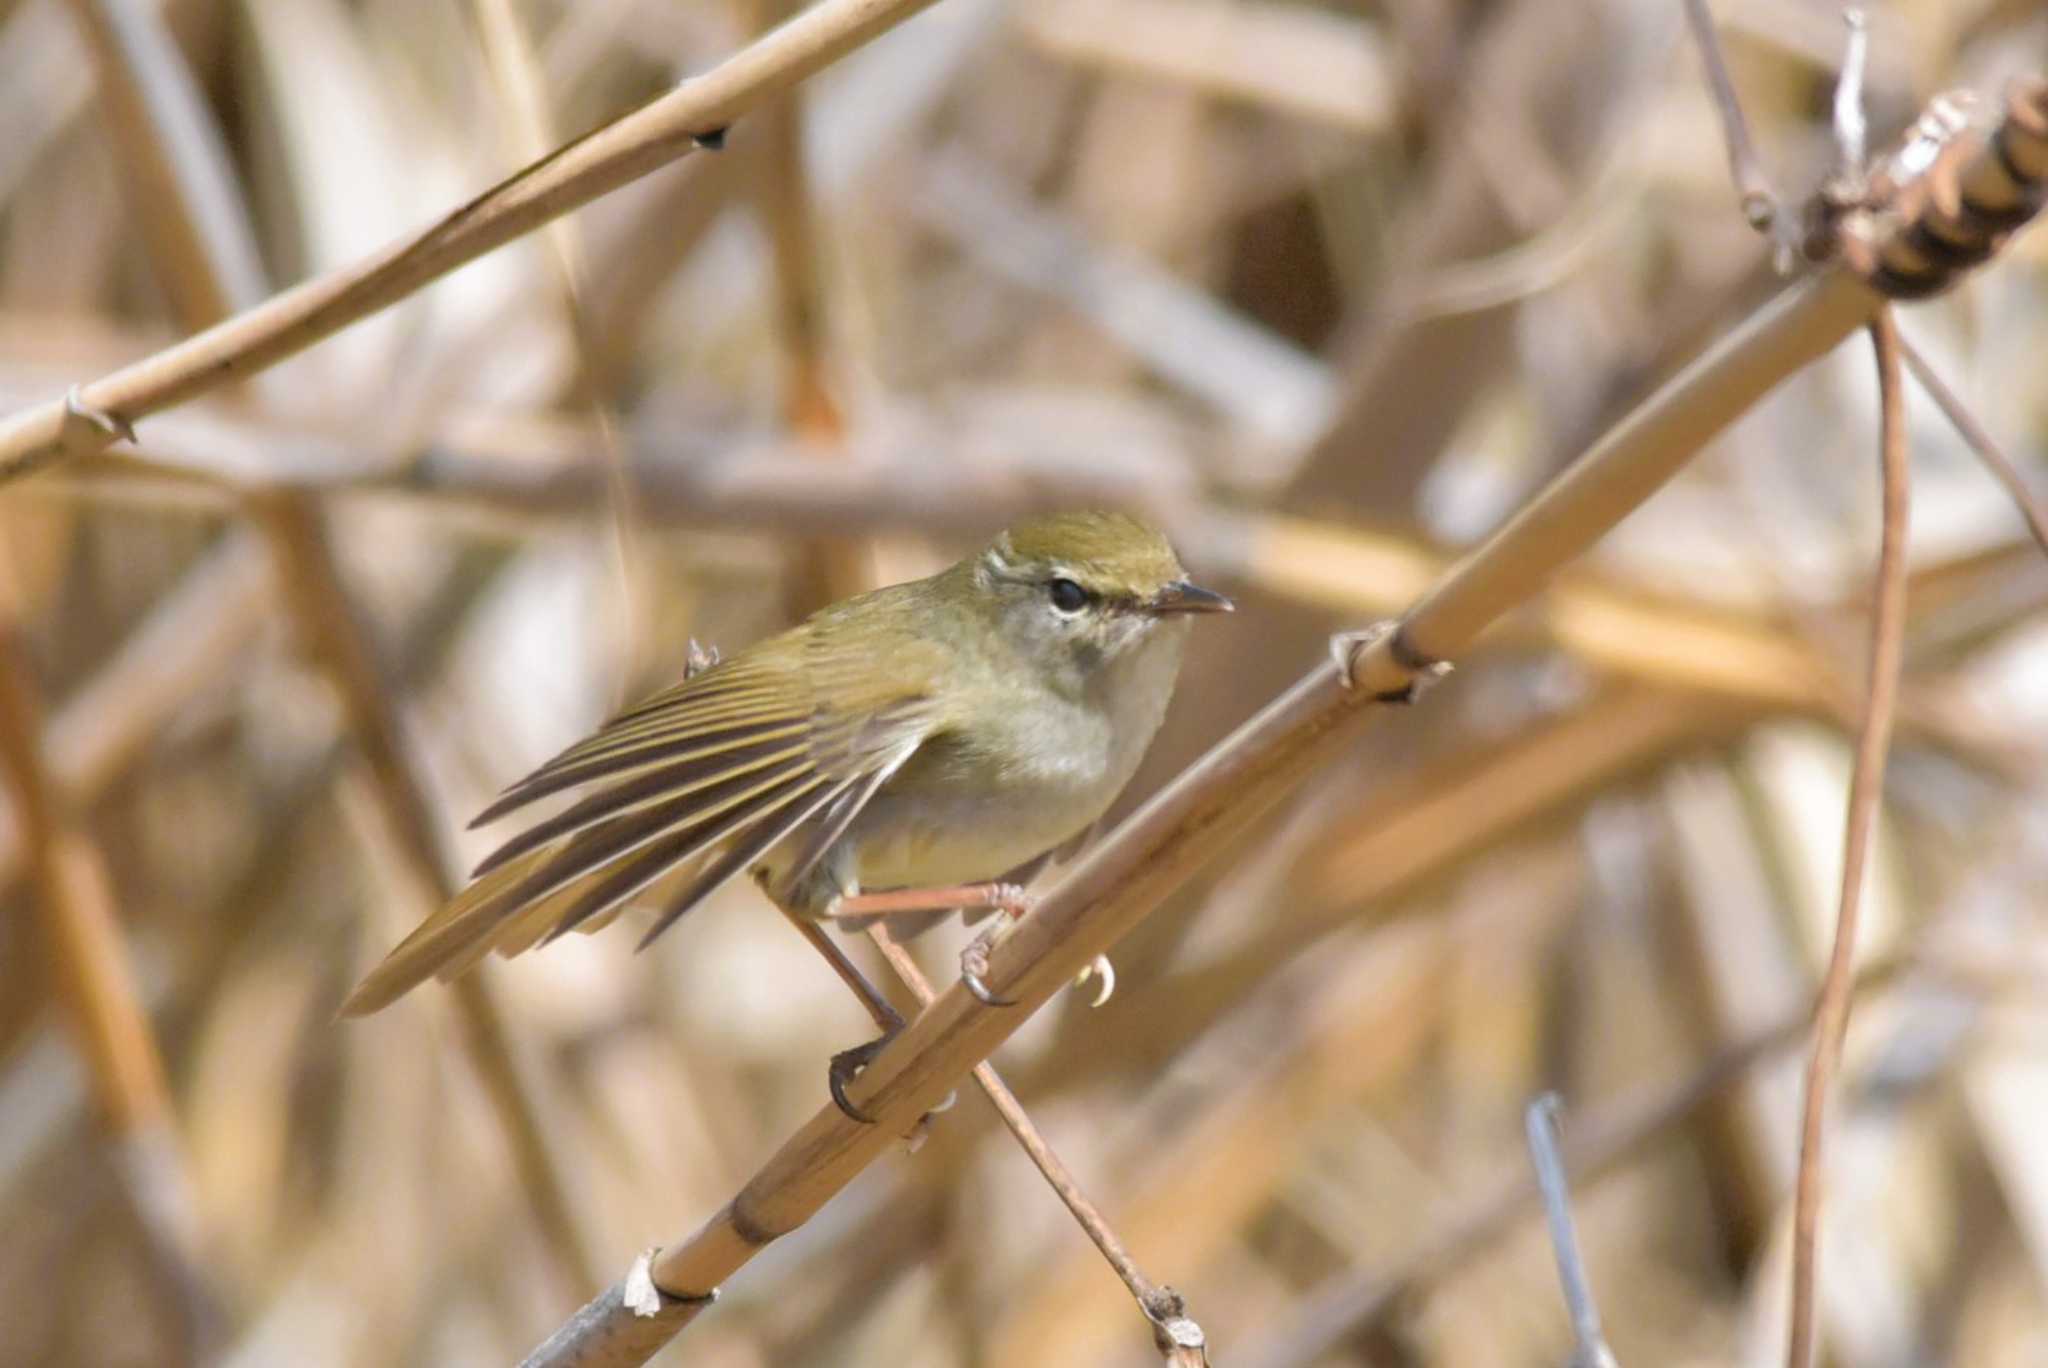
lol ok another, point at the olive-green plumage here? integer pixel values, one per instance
(935, 732)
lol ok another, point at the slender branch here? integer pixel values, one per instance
(1174, 1331)
(1866, 789)
(1980, 440)
(603, 160)
(1852, 133)
(1540, 1122)
(1759, 201)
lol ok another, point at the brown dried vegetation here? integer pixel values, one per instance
(1330, 290)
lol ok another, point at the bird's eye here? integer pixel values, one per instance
(1067, 596)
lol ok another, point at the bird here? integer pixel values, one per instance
(911, 751)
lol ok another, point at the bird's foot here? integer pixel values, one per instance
(846, 1066)
(1012, 901)
(974, 968)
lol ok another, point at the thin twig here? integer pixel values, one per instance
(1178, 1336)
(573, 175)
(1759, 201)
(1589, 1344)
(1852, 128)
(1866, 789)
(1980, 440)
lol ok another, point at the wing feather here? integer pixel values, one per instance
(834, 820)
(550, 890)
(733, 859)
(789, 739)
(699, 743)
(622, 877)
(702, 816)
(690, 776)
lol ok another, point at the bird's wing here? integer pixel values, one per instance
(715, 770)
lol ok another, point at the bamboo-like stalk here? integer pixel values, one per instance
(629, 147)
(1219, 797)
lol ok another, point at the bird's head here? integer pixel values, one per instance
(1080, 591)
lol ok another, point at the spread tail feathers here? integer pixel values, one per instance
(454, 938)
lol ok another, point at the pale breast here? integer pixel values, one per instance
(1061, 763)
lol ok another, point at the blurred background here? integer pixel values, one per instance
(1328, 289)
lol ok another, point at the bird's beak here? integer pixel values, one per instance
(1182, 597)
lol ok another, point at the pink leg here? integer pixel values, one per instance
(1012, 900)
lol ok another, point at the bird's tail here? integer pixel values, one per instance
(485, 916)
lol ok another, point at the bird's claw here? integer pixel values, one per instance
(974, 965)
(699, 659)
(845, 1067)
(1104, 973)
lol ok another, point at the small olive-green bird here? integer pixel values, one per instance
(892, 754)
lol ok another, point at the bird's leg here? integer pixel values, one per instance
(847, 1063)
(1011, 900)
(886, 1016)
(1008, 897)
